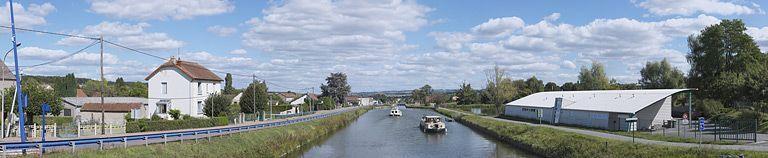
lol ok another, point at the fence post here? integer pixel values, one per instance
(73, 146)
(54, 130)
(95, 132)
(34, 130)
(754, 132)
(110, 129)
(78, 129)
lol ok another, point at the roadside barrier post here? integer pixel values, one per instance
(165, 139)
(101, 145)
(146, 141)
(125, 142)
(73, 146)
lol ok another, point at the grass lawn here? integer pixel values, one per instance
(270, 142)
(549, 142)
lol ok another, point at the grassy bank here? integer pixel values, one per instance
(550, 142)
(270, 142)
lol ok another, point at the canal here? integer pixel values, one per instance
(375, 134)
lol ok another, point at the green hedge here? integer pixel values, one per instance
(163, 125)
(269, 142)
(50, 120)
(549, 142)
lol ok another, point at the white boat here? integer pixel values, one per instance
(395, 112)
(432, 124)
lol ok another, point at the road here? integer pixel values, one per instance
(629, 139)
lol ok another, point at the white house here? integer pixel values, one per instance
(180, 85)
(605, 109)
(7, 79)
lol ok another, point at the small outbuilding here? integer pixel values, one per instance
(604, 109)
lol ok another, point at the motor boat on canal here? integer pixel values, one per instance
(395, 112)
(432, 124)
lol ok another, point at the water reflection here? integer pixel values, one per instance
(375, 134)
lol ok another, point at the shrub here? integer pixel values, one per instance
(156, 117)
(186, 117)
(50, 120)
(216, 105)
(163, 125)
(175, 113)
(128, 118)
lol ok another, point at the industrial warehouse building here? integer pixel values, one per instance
(605, 109)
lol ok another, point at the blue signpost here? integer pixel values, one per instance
(45, 110)
(701, 128)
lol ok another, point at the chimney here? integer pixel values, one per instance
(173, 60)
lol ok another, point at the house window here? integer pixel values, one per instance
(200, 107)
(199, 88)
(529, 110)
(162, 108)
(164, 87)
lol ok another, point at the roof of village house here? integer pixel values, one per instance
(80, 101)
(6, 72)
(80, 93)
(191, 69)
(111, 107)
(620, 101)
(287, 95)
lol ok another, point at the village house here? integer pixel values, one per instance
(7, 79)
(180, 85)
(88, 109)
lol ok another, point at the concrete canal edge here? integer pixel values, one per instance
(267, 142)
(549, 142)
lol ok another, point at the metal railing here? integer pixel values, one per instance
(125, 139)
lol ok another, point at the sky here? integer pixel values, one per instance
(379, 45)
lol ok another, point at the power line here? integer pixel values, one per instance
(124, 47)
(53, 33)
(62, 58)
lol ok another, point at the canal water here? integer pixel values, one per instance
(375, 134)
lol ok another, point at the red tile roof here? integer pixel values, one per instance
(191, 69)
(110, 107)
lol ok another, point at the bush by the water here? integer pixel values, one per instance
(268, 142)
(549, 142)
(50, 120)
(144, 125)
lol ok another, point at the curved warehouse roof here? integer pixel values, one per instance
(621, 101)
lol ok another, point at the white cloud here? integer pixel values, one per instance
(499, 26)
(569, 64)
(130, 35)
(552, 17)
(33, 15)
(760, 35)
(221, 30)
(238, 52)
(330, 36)
(37, 53)
(690, 7)
(451, 41)
(160, 10)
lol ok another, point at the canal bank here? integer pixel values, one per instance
(375, 134)
(549, 142)
(268, 142)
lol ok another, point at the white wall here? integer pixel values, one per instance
(182, 92)
(655, 114)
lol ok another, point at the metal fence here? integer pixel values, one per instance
(740, 129)
(146, 138)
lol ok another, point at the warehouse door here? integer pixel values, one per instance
(613, 121)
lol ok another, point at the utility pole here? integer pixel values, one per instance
(270, 105)
(22, 132)
(101, 68)
(312, 101)
(254, 97)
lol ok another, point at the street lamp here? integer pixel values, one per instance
(2, 110)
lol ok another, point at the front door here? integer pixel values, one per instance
(613, 121)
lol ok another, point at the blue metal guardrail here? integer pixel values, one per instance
(146, 137)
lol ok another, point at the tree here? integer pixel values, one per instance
(661, 75)
(439, 98)
(381, 97)
(336, 87)
(534, 85)
(216, 105)
(727, 65)
(228, 89)
(38, 95)
(67, 86)
(425, 91)
(466, 95)
(119, 82)
(327, 103)
(593, 78)
(569, 86)
(551, 86)
(255, 92)
(500, 88)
